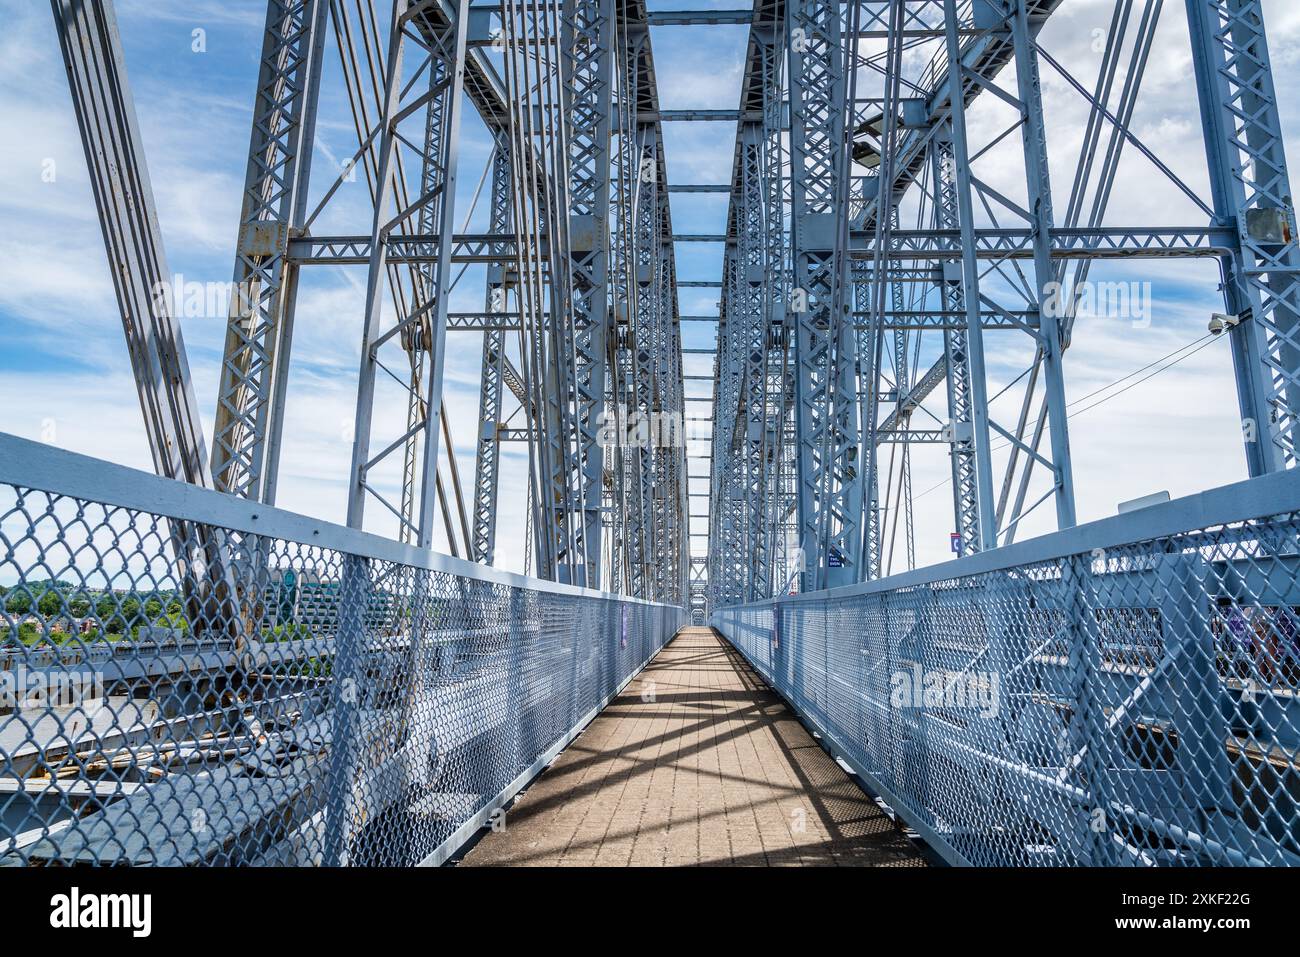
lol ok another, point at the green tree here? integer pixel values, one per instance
(50, 603)
(18, 603)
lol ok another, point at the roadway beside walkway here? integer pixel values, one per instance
(697, 762)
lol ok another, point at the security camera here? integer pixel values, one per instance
(1219, 321)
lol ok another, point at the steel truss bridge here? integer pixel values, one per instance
(196, 674)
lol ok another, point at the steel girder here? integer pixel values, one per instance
(880, 291)
(119, 178)
(771, 400)
(553, 220)
(902, 374)
(870, 354)
(643, 323)
(537, 126)
(1033, 138)
(493, 373)
(935, 130)
(595, 247)
(1251, 190)
(563, 103)
(630, 510)
(670, 504)
(753, 395)
(659, 472)
(1240, 120)
(91, 45)
(272, 243)
(657, 541)
(827, 394)
(440, 45)
(751, 386)
(914, 246)
(751, 312)
(829, 499)
(656, 343)
(722, 546)
(727, 508)
(587, 41)
(972, 464)
(250, 398)
(620, 485)
(772, 486)
(406, 287)
(737, 440)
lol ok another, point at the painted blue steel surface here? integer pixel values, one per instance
(1121, 693)
(191, 678)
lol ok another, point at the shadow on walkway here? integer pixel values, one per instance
(698, 762)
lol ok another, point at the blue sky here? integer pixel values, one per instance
(64, 375)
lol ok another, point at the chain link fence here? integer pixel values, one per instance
(189, 679)
(1124, 693)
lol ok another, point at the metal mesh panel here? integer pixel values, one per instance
(1127, 705)
(182, 693)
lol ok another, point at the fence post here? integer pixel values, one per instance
(1097, 844)
(776, 652)
(346, 693)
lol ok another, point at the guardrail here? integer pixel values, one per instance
(191, 678)
(1121, 693)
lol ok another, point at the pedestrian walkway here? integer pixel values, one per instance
(698, 761)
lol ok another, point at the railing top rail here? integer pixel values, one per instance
(44, 468)
(1262, 497)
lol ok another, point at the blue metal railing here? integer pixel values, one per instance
(1121, 693)
(191, 678)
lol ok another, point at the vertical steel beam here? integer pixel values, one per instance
(1251, 190)
(628, 509)
(491, 380)
(768, 36)
(119, 178)
(668, 454)
(589, 55)
(423, 25)
(1034, 142)
(972, 459)
(626, 384)
(829, 489)
(751, 319)
(870, 352)
(641, 332)
(254, 368)
(961, 408)
(750, 388)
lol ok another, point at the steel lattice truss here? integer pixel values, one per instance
(870, 257)
(378, 702)
(579, 324)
